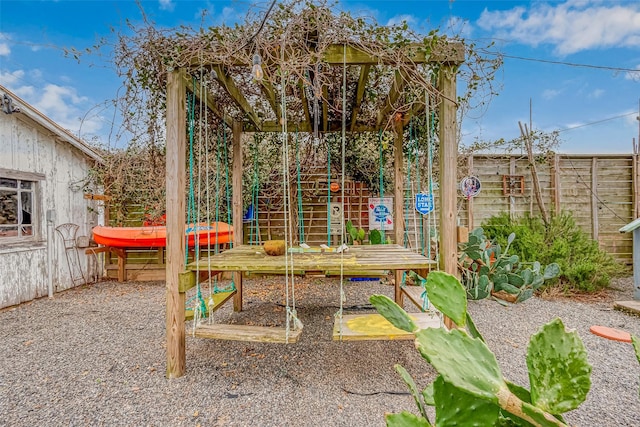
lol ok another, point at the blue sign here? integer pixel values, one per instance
(424, 203)
(381, 213)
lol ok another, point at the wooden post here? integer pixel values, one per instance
(236, 184)
(175, 188)
(635, 181)
(448, 172)
(398, 201)
(470, 199)
(512, 199)
(594, 199)
(555, 178)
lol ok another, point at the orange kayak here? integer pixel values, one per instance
(156, 236)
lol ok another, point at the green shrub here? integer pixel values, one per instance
(584, 266)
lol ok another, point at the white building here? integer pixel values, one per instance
(43, 169)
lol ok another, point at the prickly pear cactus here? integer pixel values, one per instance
(636, 347)
(454, 407)
(393, 313)
(464, 362)
(447, 295)
(405, 419)
(488, 270)
(559, 372)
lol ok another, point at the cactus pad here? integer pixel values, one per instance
(559, 372)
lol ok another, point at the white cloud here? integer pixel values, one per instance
(5, 50)
(399, 19)
(167, 5)
(572, 26)
(458, 27)
(597, 93)
(11, 79)
(550, 93)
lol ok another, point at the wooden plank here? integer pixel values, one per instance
(470, 199)
(226, 81)
(397, 87)
(236, 185)
(448, 171)
(97, 197)
(360, 88)
(305, 106)
(175, 194)
(214, 302)
(207, 97)
(247, 333)
(360, 327)
(594, 199)
(628, 306)
(444, 51)
(414, 293)
(357, 258)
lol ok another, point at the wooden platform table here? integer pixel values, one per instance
(356, 259)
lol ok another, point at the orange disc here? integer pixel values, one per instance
(334, 186)
(610, 333)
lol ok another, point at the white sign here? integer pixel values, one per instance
(380, 213)
(335, 218)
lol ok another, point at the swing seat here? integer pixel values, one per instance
(218, 300)
(247, 333)
(414, 293)
(361, 327)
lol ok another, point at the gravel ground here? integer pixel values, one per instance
(95, 355)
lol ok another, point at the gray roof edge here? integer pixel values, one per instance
(52, 126)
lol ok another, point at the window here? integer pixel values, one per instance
(16, 208)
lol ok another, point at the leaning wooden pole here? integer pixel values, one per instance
(175, 194)
(448, 172)
(236, 183)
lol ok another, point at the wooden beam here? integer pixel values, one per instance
(305, 105)
(270, 93)
(470, 199)
(555, 183)
(208, 99)
(398, 202)
(332, 126)
(594, 199)
(444, 51)
(175, 195)
(361, 86)
(236, 184)
(232, 89)
(448, 173)
(325, 108)
(399, 82)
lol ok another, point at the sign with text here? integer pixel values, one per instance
(380, 213)
(336, 218)
(424, 203)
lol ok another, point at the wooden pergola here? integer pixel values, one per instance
(448, 56)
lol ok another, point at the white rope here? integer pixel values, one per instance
(342, 174)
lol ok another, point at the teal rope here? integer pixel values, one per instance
(381, 173)
(253, 235)
(431, 134)
(226, 168)
(328, 193)
(300, 213)
(407, 191)
(191, 211)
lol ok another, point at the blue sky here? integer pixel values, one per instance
(578, 73)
